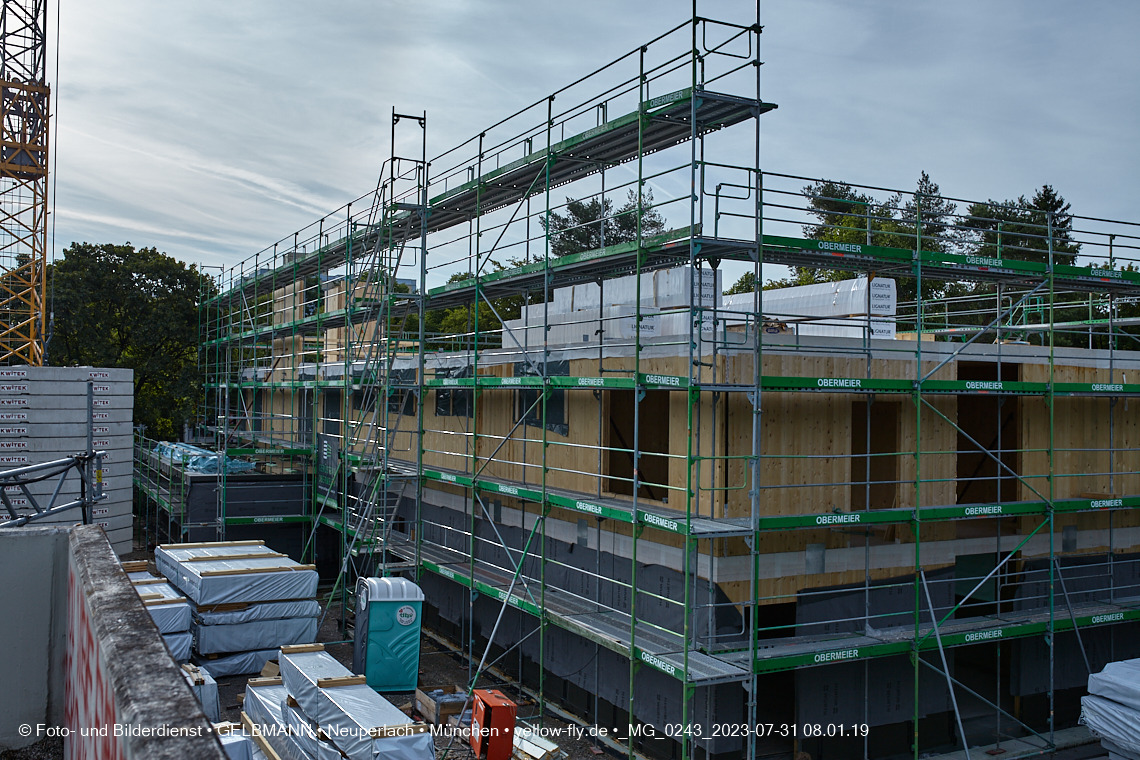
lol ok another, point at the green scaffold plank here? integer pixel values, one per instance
(955, 512)
(839, 250)
(267, 519)
(269, 451)
(586, 506)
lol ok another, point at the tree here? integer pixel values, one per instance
(116, 306)
(1020, 229)
(846, 215)
(581, 228)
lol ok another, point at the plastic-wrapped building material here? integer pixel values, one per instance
(263, 699)
(239, 663)
(237, 746)
(195, 459)
(205, 688)
(297, 608)
(234, 572)
(618, 323)
(1116, 752)
(1120, 682)
(179, 645)
(842, 298)
(256, 634)
(349, 713)
(301, 671)
(306, 733)
(1113, 721)
(167, 607)
(139, 577)
(263, 707)
(301, 727)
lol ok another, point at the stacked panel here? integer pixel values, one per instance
(43, 417)
(247, 602)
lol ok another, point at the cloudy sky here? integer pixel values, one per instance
(211, 129)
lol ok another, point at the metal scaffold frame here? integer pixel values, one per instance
(792, 500)
(24, 113)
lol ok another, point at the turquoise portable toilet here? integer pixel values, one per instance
(386, 642)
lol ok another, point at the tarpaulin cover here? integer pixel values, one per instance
(1117, 753)
(260, 634)
(258, 754)
(141, 575)
(292, 581)
(263, 703)
(241, 663)
(179, 645)
(305, 732)
(194, 459)
(302, 728)
(170, 617)
(1110, 720)
(296, 608)
(207, 694)
(348, 713)
(300, 672)
(1120, 682)
(263, 706)
(237, 746)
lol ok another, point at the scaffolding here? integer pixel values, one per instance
(691, 517)
(24, 111)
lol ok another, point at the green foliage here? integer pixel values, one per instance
(116, 306)
(582, 227)
(1019, 229)
(746, 284)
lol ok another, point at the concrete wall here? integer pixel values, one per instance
(119, 672)
(82, 654)
(33, 636)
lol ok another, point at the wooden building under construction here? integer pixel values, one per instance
(675, 512)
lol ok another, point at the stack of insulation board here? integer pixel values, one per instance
(205, 689)
(834, 309)
(43, 417)
(167, 607)
(248, 601)
(1111, 711)
(318, 710)
(241, 744)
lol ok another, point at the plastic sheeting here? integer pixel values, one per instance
(300, 608)
(348, 713)
(305, 732)
(207, 694)
(841, 298)
(170, 617)
(1119, 682)
(302, 728)
(241, 663)
(293, 581)
(237, 746)
(195, 459)
(263, 706)
(1111, 720)
(179, 645)
(301, 671)
(257, 634)
(1116, 752)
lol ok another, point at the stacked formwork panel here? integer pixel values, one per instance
(751, 539)
(46, 416)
